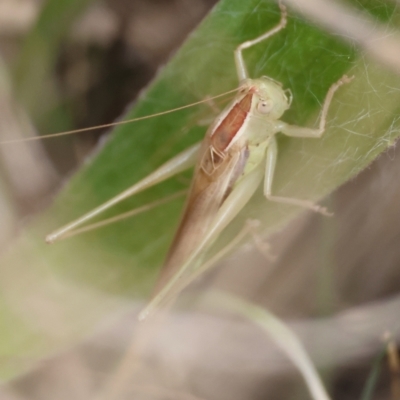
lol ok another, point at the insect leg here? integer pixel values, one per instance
(177, 164)
(240, 64)
(249, 228)
(240, 195)
(128, 214)
(304, 132)
(272, 153)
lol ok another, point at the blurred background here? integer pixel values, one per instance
(89, 60)
(336, 281)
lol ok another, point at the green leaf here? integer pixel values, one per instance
(84, 278)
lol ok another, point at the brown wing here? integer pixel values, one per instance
(213, 180)
(220, 164)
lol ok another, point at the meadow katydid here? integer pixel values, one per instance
(238, 150)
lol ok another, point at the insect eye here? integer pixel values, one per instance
(265, 106)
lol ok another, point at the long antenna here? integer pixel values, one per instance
(109, 125)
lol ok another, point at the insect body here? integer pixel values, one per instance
(238, 151)
(234, 146)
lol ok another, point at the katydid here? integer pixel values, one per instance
(238, 152)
